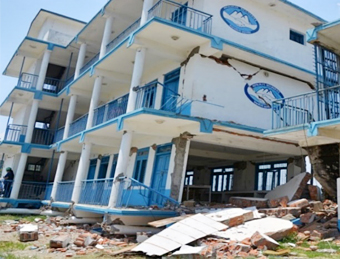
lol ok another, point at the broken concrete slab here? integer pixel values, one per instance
(274, 203)
(28, 232)
(316, 206)
(129, 230)
(168, 221)
(60, 241)
(300, 203)
(273, 227)
(244, 202)
(292, 189)
(231, 216)
(181, 233)
(281, 212)
(261, 241)
(189, 250)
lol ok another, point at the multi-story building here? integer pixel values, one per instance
(151, 97)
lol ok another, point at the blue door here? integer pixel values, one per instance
(160, 175)
(92, 169)
(170, 91)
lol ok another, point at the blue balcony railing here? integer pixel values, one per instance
(78, 125)
(43, 136)
(133, 193)
(122, 36)
(15, 133)
(51, 85)
(90, 63)
(49, 187)
(306, 108)
(110, 110)
(146, 95)
(59, 134)
(96, 192)
(32, 190)
(182, 15)
(64, 191)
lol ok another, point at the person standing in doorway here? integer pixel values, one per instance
(8, 179)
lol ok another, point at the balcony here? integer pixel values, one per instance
(51, 85)
(110, 110)
(15, 133)
(89, 63)
(78, 125)
(30, 190)
(64, 191)
(182, 15)
(96, 192)
(306, 108)
(59, 134)
(43, 136)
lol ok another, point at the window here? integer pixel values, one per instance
(41, 125)
(222, 179)
(297, 37)
(33, 168)
(270, 175)
(140, 165)
(189, 178)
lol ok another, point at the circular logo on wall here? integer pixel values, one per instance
(240, 19)
(262, 94)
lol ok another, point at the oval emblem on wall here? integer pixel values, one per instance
(240, 19)
(262, 94)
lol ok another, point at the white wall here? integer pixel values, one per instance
(273, 35)
(225, 87)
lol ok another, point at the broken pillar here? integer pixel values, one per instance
(325, 162)
(181, 157)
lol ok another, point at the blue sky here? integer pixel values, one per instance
(16, 16)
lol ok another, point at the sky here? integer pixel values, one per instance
(17, 15)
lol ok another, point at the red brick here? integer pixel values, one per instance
(301, 203)
(243, 202)
(274, 203)
(261, 240)
(313, 192)
(307, 218)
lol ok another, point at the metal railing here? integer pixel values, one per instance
(69, 80)
(129, 187)
(182, 15)
(64, 191)
(146, 95)
(96, 192)
(110, 110)
(78, 125)
(43, 136)
(32, 190)
(177, 104)
(51, 85)
(15, 133)
(122, 36)
(306, 108)
(90, 63)
(59, 134)
(49, 187)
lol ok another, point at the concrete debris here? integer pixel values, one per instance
(179, 234)
(61, 241)
(189, 250)
(28, 232)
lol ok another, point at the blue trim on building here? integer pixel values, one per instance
(26, 203)
(286, 130)
(312, 34)
(62, 205)
(38, 95)
(303, 10)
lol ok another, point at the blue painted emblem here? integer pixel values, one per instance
(240, 19)
(262, 94)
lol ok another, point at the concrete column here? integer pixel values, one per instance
(122, 164)
(106, 36)
(18, 176)
(43, 69)
(31, 121)
(59, 174)
(109, 166)
(94, 100)
(83, 168)
(146, 7)
(70, 115)
(136, 78)
(96, 172)
(80, 60)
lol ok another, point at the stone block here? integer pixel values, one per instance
(307, 218)
(28, 232)
(301, 203)
(60, 241)
(243, 202)
(316, 206)
(274, 203)
(261, 240)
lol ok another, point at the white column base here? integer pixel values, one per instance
(59, 174)
(18, 176)
(82, 171)
(122, 164)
